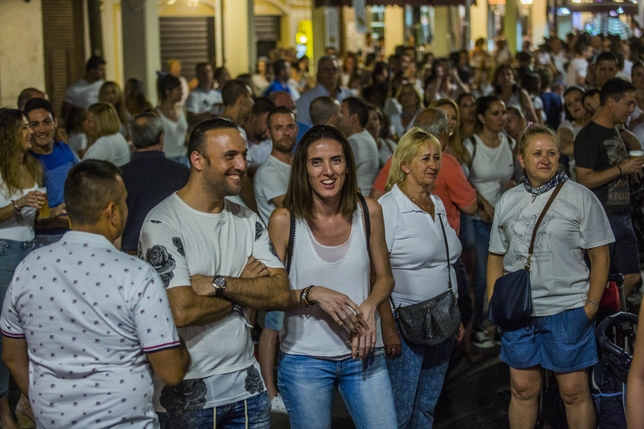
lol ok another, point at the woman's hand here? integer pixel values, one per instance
(60, 210)
(363, 343)
(391, 339)
(340, 307)
(33, 199)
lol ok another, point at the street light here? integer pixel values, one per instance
(526, 2)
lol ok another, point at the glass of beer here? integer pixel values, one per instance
(43, 212)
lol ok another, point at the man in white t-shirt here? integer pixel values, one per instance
(84, 92)
(83, 323)
(215, 259)
(271, 182)
(204, 102)
(355, 115)
(257, 137)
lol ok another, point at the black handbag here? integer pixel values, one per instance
(511, 301)
(433, 321)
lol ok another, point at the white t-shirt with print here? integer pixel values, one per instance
(574, 222)
(181, 242)
(200, 102)
(271, 181)
(576, 68)
(89, 313)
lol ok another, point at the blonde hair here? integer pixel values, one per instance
(454, 139)
(106, 119)
(419, 96)
(11, 146)
(120, 105)
(412, 143)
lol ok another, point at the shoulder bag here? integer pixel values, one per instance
(433, 321)
(511, 302)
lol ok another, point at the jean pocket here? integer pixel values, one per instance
(574, 326)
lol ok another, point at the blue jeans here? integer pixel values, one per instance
(482, 232)
(252, 413)
(306, 385)
(11, 254)
(417, 380)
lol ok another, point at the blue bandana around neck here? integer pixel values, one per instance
(558, 178)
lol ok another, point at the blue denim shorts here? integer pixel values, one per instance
(274, 320)
(563, 342)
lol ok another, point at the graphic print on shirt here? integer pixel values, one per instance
(618, 190)
(253, 383)
(162, 261)
(176, 241)
(522, 231)
(188, 395)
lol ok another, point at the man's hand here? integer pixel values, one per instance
(632, 165)
(254, 269)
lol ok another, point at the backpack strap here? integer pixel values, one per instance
(367, 220)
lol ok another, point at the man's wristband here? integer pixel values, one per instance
(621, 173)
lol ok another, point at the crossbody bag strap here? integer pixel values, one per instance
(367, 220)
(449, 266)
(536, 225)
(291, 243)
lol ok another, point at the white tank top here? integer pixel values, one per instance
(310, 331)
(174, 141)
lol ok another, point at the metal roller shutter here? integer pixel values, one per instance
(64, 46)
(190, 40)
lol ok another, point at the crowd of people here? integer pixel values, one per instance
(325, 209)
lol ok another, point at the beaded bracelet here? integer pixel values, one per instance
(15, 206)
(304, 297)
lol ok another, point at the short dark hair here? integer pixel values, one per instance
(166, 82)
(219, 72)
(94, 62)
(90, 186)
(278, 66)
(26, 95)
(200, 65)
(197, 139)
(146, 130)
(580, 46)
(232, 90)
(262, 105)
(606, 56)
(279, 110)
(590, 93)
(321, 109)
(357, 106)
(39, 103)
(615, 88)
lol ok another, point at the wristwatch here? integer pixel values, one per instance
(219, 285)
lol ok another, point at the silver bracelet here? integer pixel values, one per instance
(593, 303)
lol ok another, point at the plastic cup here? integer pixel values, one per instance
(636, 153)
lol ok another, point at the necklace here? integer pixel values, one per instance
(426, 204)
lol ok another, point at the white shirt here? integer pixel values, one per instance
(180, 242)
(175, 135)
(491, 169)
(89, 313)
(111, 148)
(365, 151)
(20, 226)
(574, 223)
(577, 67)
(303, 105)
(271, 181)
(417, 248)
(77, 142)
(258, 153)
(82, 93)
(396, 126)
(638, 129)
(200, 102)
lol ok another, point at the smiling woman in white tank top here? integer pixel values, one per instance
(331, 334)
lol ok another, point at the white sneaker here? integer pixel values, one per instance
(277, 405)
(481, 340)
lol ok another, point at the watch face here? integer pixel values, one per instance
(220, 282)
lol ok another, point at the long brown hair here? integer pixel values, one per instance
(11, 148)
(299, 196)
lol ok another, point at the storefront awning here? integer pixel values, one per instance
(627, 7)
